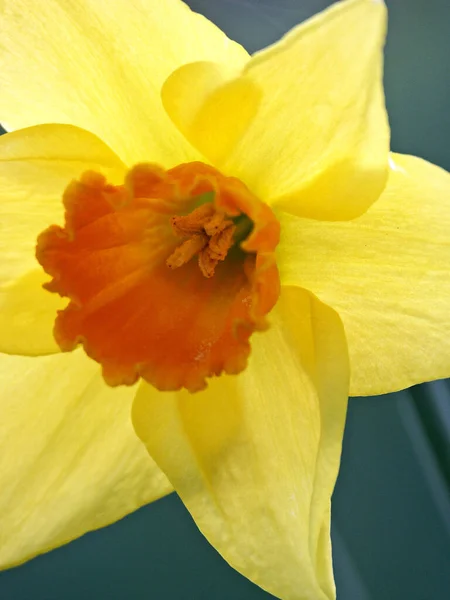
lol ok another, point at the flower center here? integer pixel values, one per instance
(138, 301)
(210, 235)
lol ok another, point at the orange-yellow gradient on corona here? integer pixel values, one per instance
(140, 304)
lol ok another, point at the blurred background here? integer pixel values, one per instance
(391, 507)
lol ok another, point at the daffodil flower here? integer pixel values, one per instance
(208, 222)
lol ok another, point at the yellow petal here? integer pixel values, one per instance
(313, 134)
(36, 165)
(70, 461)
(27, 316)
(255, 457)
(387, 274)
(211, 105)
(101, 68)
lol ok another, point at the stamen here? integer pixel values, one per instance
(216, 224)
(194, 222)
(207, 263)
(186, 251)
(212, 237)
(221, 242)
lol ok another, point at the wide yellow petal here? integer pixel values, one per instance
(101, 66)
(212, 105)
(304, 125)
(70, 461)
(36, 165)
(255, 456)
(387, 274)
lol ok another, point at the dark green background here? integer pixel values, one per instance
(391, 519)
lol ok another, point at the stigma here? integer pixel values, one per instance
(167, 276)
